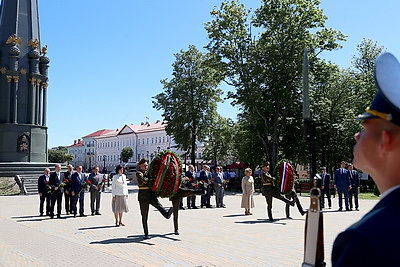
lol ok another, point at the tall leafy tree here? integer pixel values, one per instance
(265, 69)
(189, 100)
(59, 155)
(126, 154)
(220, 141)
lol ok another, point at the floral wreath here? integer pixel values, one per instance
(166, 171)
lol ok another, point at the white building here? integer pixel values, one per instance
(103, 148)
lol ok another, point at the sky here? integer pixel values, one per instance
(108, 57)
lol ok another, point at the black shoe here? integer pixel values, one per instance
(67, 213)
(169, 213)
(176, 232)
(58, 216)
(201, 206)
(189, 207)
(357, 209)
(289, 218)
(218, 206)
(271, 220)
(82, 215)
(292, 203)
(92, 214)
(348, 209)
(223, 206)
(74, 215)
(302, 213)
(41, 214)
(194, 207)
(209, 206)
(146, 237)
(97, 213)
(182, 208)
(340, 209)
(51, 216)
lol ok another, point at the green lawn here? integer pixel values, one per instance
(367, 196)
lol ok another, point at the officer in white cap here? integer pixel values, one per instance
(375, 239)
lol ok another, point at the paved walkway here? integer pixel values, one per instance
(208, 237)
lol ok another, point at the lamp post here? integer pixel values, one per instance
(104, 160)
(147, 154)
(158, 149)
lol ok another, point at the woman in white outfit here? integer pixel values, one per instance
(119, 195)
(248, 190)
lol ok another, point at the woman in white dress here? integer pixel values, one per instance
(248, 190)
(119, 202)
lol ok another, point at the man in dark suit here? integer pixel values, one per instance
(96, 185)
(78, 180)
(205, 177)
(69, 200)
(374, 240)
(325, 188)
(42, 189)
(191, 200)
(342, 184)
(55, 181)
(355, 184)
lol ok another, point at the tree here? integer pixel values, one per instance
(266, 69)
(189, 100)
(126, 154)
(59, 155)
(219, 141)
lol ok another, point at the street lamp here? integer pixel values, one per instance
(104, 160)
(158, 149)
(147, 154)
(269, 137)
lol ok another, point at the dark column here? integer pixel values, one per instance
(44, 86)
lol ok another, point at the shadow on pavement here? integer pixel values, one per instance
(276, 221)
(97, 227)
(134, 239)
(235, 215)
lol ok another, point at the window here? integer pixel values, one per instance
(147, 140)
(159, 139)
(152, 140)
(163, 139)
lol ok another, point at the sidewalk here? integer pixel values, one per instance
(208, 237)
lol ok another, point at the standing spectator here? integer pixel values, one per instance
(248, 190)
(96, 185)
(218, 182)
(147, 197)
(69, 200)
(325, 188)
(355, 184)
(119, 202)
(56, 178)
(78, 180)
(191, 174)
(342, 184)
(205, 177)
(373, 240)
(269, 190)
(43, 194)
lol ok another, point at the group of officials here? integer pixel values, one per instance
(347, 184)
(72, 185)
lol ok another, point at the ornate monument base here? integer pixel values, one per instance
(23, 143)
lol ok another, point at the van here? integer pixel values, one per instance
(130, 171)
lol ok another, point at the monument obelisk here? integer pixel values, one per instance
(23, 84)
(23, 88)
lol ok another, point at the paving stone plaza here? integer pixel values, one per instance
(208, 237)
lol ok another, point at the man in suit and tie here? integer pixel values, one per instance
(78, 179)
(205, 176)
(96, 186)
(191, 200)
(55, 181)
(342, 184)
(355, 184)
(374, 240)
(69, 200)
(218, 187)
(325, 188)
(43, 181)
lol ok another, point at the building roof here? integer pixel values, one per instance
(77, 143)
(98, 133)
(144, 127)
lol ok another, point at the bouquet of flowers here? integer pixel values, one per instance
(166, 168)
(85, 186)
(48, 187)
(100, 185)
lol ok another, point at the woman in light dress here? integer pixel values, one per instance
(119, 195)
(248, 190)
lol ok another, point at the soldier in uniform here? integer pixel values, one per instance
(293, 195)
(146, 196)
(269, 190)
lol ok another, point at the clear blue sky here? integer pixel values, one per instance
(108, 57)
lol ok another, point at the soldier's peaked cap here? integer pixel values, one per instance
(386, 103)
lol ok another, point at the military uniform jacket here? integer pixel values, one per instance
(268, 184)
(145, 193)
